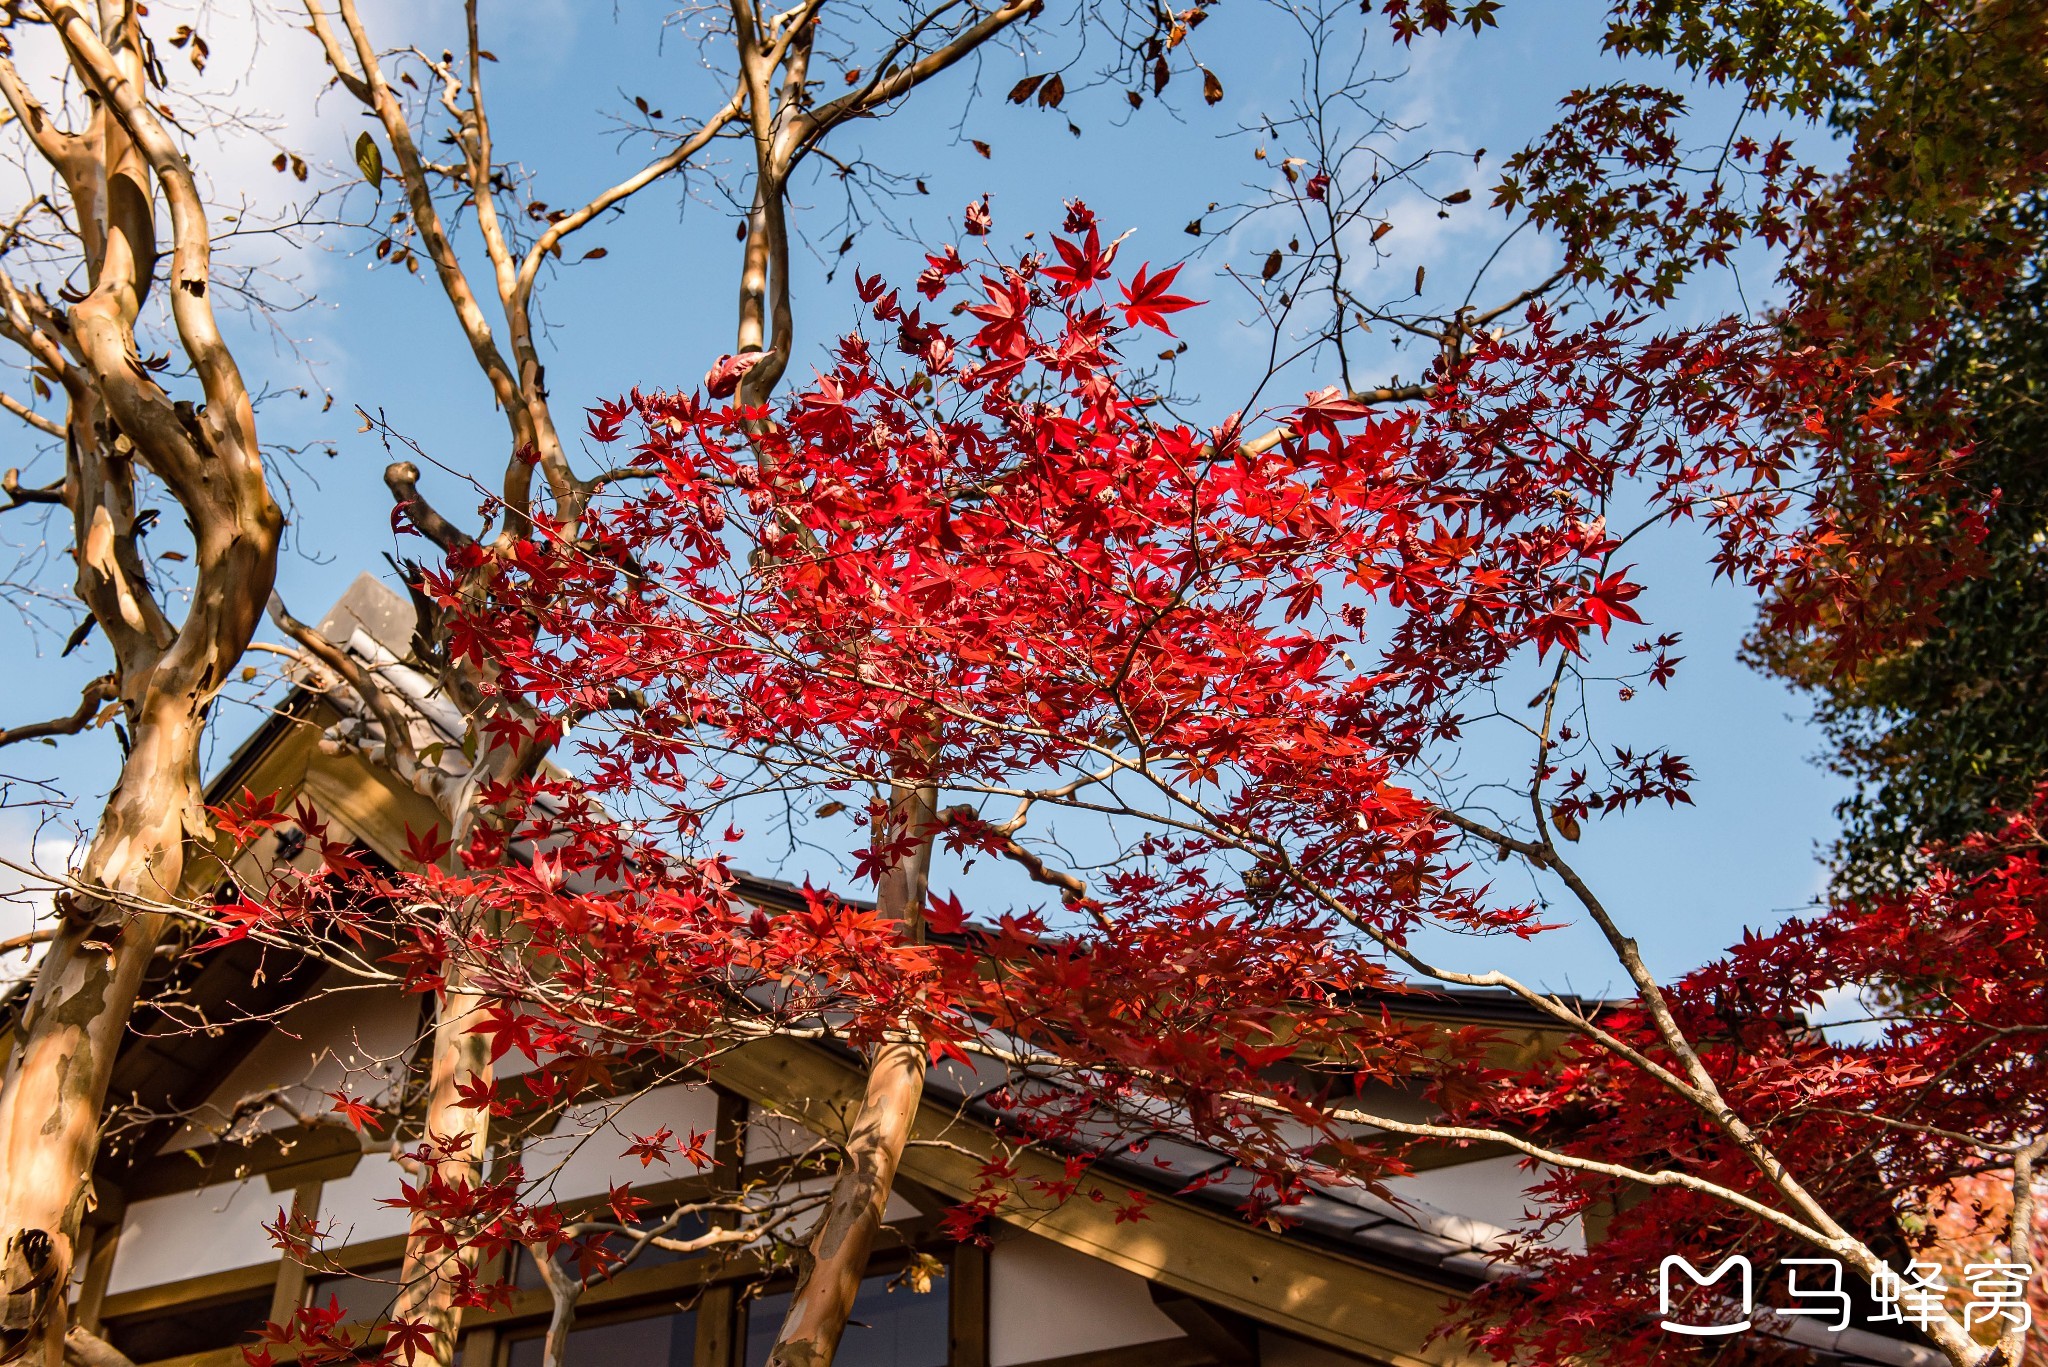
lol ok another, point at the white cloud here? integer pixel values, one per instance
(35, 848)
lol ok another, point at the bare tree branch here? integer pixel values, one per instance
(398, 747)
(91, 699)
(402, 478)
(19, 494)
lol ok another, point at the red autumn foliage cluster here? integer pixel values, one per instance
(1941, 1083)
(1182, 677)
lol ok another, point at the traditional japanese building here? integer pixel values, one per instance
(220, 1124)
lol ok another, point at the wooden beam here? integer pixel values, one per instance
(1158, 1353)
(290, 1291)
(480, 1348)
(1228, 1337)
(374, 806)
(1288, 1284)
(235, 1281)
(718, 1326)
(99, 1265)
(664, 1281)
(288, 1156)
(967, 1307)
(719, 1341)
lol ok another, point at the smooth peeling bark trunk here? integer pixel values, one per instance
(428, 1275)
(85, 990)
(845, 1236)
(565, 1289)
(554, 1346)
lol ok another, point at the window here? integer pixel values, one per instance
(194, 1328)
(891, 1326)
(365, 1296)
(652, 1341)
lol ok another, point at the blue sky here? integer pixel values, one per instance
(659, 307)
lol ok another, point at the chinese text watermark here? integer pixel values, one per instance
(1814, 1287)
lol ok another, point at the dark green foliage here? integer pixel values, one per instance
(1936, 733)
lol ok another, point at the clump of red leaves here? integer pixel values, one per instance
(988, 561)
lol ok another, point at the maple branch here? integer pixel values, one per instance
(76, 891)
(1527, 296)
(2020, 1238)
(192, 313)
(91, 699)
(474, 137)
(34, 327)
(60, 148)
(1073, 892)
(890, 82)
(1704, 1091)
(1913, 1127)
(1478, 1134)
(550, 240)
(1837, 1243)
(1673, 1035)
(1697, 1086)
(766, 321)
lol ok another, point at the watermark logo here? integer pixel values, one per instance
(1675, 1263)
(1814, 1287)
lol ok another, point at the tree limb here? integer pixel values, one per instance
(83, 1348)
(402, 478)
(18, 493)
(47, 426)
(30, 940)
(398, 749)
(90, 699)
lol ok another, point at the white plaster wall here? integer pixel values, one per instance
(771, 1136)
(1046, 1301)
(334, 1039)
(350, 1212)
(585, 1153)
(170, 1238)
(1490, 1190)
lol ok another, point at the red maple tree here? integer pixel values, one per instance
(987, 601)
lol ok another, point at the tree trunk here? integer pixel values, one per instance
(86, 987)
(564, 1291)
(208, 459)
(427, 1280)
(881, 1127)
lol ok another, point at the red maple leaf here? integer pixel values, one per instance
(1080, 265)
(1146, 299)
(1005, 314)
(475, 1093)
(649, 1147)
(358, 1113)
(508, 1030)
(407, 1339)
